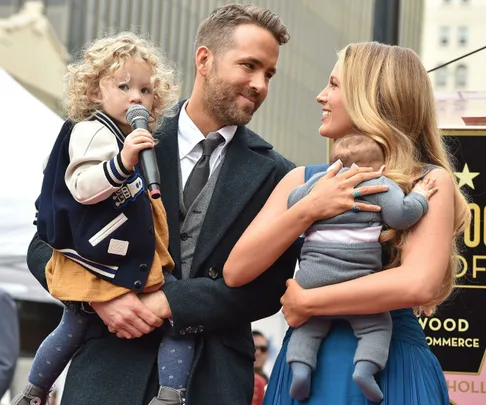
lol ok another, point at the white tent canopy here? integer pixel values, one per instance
(28, 131)
(31, 51)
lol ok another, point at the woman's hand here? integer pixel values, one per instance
(335, 193)
(293, 304)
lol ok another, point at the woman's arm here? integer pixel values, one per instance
(415, 282)
(275, 228)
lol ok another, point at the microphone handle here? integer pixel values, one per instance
(149, 163)
(151, 172)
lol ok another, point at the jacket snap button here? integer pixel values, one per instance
(213, 273)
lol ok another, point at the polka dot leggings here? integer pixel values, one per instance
(175, 356)
(58, 348)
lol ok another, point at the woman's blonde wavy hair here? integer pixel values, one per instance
(388, 96)
(99, 61)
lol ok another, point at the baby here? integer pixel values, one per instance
(346, 247)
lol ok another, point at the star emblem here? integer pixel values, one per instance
(466, 177)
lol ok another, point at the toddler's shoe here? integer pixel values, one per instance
(31, 395)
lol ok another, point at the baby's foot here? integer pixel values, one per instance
(301, 380)
(364, 377)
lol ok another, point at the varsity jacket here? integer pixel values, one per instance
(92, 209)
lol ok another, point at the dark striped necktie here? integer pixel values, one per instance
(200, 173)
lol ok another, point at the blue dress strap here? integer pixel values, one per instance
(310, 170)
(313, 169)
(427, 171)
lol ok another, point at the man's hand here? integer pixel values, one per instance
(293, 306)
(157, 303)
(127, 316)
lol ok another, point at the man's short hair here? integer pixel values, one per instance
(216, 31)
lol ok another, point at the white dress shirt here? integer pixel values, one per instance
(190, 150)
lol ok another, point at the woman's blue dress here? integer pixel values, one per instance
(413, 375)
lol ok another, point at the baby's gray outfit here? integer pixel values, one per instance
(330, 263)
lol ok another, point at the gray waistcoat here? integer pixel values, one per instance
(192, 221)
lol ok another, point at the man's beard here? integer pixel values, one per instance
(219, 100)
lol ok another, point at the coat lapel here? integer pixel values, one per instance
(242, 173)
(167, 152)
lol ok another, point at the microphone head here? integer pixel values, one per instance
(136, 112)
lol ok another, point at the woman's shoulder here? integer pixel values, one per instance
(445, 183)
(437, 173)
(429, 168)
(291, 180)
(296, 174)
(300, 175)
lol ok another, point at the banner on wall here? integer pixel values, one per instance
(457, 332)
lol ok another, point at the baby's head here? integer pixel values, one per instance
(359, 149)
(103, 73)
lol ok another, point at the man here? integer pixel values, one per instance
(236, 54)
(9, 341)
(261, 353)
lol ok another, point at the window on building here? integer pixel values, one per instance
(465, 1)
(446, 1)
(460, 105)
(441, 76)
(461, 76)
(463, 36)
(444, 36)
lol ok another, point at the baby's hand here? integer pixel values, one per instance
(426, 188)
(135, 142)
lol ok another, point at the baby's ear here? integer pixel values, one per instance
(95, 96)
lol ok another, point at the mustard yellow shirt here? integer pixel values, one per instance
(69, 281)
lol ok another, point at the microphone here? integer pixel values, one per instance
(138, 116)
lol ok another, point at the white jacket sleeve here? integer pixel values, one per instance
(95, 170)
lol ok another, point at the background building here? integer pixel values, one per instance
(290, 117)
(31, 51)
(453, 28)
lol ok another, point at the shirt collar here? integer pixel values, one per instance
(190, 135)
(110, 124)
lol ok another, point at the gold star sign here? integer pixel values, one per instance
(466, 177)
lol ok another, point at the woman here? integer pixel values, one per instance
(384, 92)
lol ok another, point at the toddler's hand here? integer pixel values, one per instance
(426, 188)
(135, 142)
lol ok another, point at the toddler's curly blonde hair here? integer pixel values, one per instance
(100, 59)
